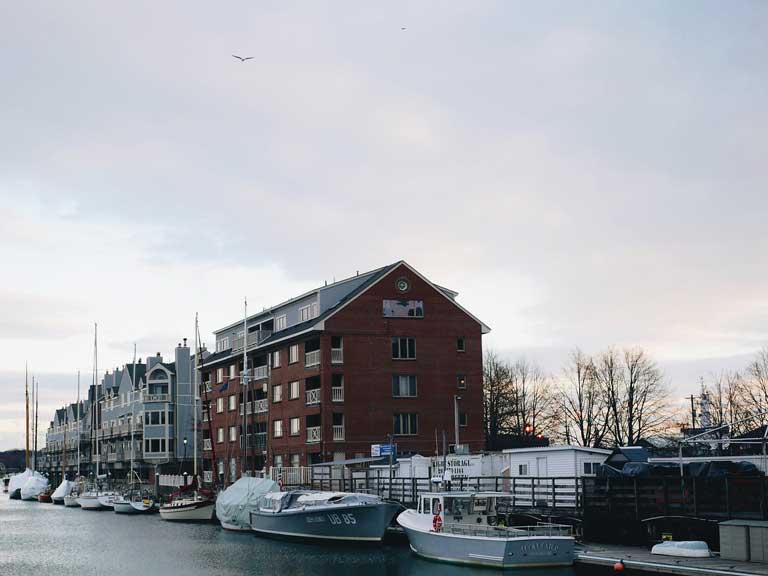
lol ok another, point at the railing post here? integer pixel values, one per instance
(533, 493)
(727, 498)
(514, 492)
(495, 483)
(553, 494)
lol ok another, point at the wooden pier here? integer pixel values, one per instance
(641, 559)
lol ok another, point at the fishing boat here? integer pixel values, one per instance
(474, 528)
(235, 504)
(323, 515)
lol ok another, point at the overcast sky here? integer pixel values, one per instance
(583, 174)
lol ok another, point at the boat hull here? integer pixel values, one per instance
(71, 502)
(363, 523)
(58, 501)
(234, 527)
(194, 512)
(124, 507)
(15, 494)
(521, 552)
(142, 508)
(90, 503)
(44, 498)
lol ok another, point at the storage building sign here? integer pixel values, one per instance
(459, 466)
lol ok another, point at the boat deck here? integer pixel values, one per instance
(638, 558)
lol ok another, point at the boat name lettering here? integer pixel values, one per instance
(539, 548)
(315, 519)
(342, 518)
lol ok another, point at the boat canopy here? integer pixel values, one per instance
(234, 505)
(18, 480)
(35, 484)
(64, 489)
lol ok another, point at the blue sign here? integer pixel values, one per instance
(382, 450)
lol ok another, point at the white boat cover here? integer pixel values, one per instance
(35, 485)
(18, 480)
(64, 489)
(687, 549)
(234, 505)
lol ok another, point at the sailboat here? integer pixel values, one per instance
(68, 491)
(199, 506)
(18, 480)
(94, 499)
(132, 502)
(36, 484)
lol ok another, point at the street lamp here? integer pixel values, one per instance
(456, 399)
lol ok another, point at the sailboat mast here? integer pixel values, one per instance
(78, 424)
(96, 393)
(37, 392)
(26, 392)
(244, 385)
(133, 391)
(195, 395)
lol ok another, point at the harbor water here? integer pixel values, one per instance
(50, 540)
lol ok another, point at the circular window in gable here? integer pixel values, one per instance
(402, 285)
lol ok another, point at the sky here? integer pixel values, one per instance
(584, 174)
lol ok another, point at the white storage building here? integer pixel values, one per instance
(554, 461)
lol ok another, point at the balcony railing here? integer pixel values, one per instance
(338, 432)
(154, 397)
(260, 441)
(261, 406)
(313, 396)
(207, 444)
(337, 394)
(260, 372)
(337, 356)
(313, 434)
(254, 339)
(312, 358)
(207, 386)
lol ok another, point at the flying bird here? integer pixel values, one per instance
(403, 28)
(241, 58)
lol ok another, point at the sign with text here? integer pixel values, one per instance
(382, 450)
(459, 466)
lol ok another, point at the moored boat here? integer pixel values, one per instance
(35, 485)
(472, 528)
(133, 504)
(64, 489)
(323, 515)
(16, 482)
(71, 500)
(235, 504)
(44, 498)
(90, 501)
(196, 508)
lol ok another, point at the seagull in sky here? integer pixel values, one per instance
(241, 58)
(403, 28)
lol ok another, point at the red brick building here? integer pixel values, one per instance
(340, 368)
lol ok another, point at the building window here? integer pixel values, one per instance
(463, 419)
(278, 460)
(232, 370)
(219, 374)
(295, 426)
(406, 424)
(232, 402)
(277, 393)
(403, 308)
(232, 433)
(295, 462)
(222, 344)
(461, 382)
(590, 468)
(403, 348)
(276, 359)
(281, 322)
(522, 469)
(219, 405)
(460, 344)
(277, 428)
(294, 391)
(404, 385)
(293, 354)
(232, 468)
(219, 435)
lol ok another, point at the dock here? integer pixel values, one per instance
(638, 558)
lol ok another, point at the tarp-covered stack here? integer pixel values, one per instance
(64, 489)
(17, 481)
(35, 485)
(234, 505)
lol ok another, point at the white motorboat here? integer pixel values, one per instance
(133, 504)
(323, 515)
(34, 486)
(473, 528)
(235, 504)
(91, 501)
(193, 509)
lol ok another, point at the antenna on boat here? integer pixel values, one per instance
(37, 400)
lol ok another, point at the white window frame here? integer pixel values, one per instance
(277, 393)
(305, 313)
(232, 402)
(220, 405)
(277, 428)
(293, 354)
(233, 370)
(522, 469)
(416, 386)
(295, 461)
(295, 426)
(233, 433)
(220, 374)
(294, 390)
(219, 435)
(410, 432)
(281, 323)
(276, 359)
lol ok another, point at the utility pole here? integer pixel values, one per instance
(693, 412)
(456, 399)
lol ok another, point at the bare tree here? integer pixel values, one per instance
(496, 397)
(610, 378)
(756, 387)
(727, 401)
(531, 399)
(581, 404)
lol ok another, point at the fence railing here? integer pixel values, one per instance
(337, 394)
(338, 432)
(291, 476)
(312, 358)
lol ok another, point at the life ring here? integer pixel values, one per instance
(437, 523)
